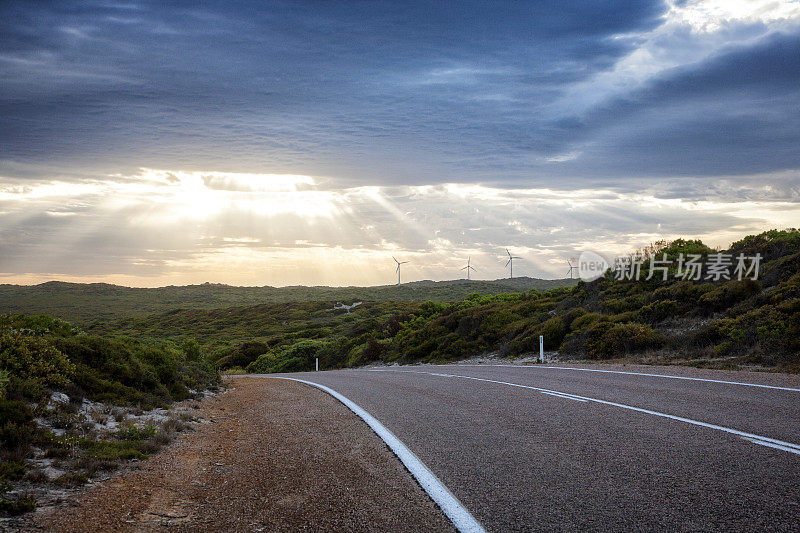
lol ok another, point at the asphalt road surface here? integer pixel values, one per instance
(545, 448)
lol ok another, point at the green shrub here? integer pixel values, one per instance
(191, 350)
(355, 357)
(497, 322)
(621, 318)
(770, 244)
(786, 290)
(609, 340)
(33, 358)
(37, 325)
(244, 354)
(660, 310)
(373, 350)
(298, 357)
(11, 470)
(71, 480)
(18, 505)
(585, 321)
(113, 450)
(553, 331)
(264, 364)
(16, 424)
(4, 380)
(127, 371)
(729, 293)
(572, 315)
(134, 432)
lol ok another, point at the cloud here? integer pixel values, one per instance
(158, 235)
(336, 132)
(378, 93)
(737, 113)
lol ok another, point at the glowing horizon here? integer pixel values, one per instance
(181, 228)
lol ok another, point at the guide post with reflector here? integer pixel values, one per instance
(541, 348)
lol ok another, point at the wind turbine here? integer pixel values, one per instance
(468, 268)
(511, 262)
(398, 268)
(571, 268)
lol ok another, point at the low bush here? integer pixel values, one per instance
(71, 480)
(298, 357)
(16, 425)
(33, 358)
(660, 310)
(135, 433)
(553, 331)
(613, 340)
(18, 505)
(11, 471)
(729, 294)
(113, 450)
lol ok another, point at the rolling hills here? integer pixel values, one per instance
(83, 303)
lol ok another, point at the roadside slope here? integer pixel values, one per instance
(277, 456)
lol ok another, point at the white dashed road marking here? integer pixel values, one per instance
(755, 439)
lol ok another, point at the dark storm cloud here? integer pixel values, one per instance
(738, 113)
(383, 92)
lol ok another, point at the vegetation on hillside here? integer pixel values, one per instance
(731, 322)
(40, 356)
(740, 321)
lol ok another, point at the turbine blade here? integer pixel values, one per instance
(508, 262)
(395, 259)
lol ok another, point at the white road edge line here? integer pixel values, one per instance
(567, 396)
(454, 509)
(756, 439)
(687, 378)
(776, 446)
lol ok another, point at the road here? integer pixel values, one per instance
(549, 448)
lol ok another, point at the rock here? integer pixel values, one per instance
(59, 397)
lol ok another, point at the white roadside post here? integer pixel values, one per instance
(316, 359)
(541, 348)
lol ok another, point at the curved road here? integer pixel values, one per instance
(557, 448)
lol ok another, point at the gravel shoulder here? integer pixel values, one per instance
(275, 456)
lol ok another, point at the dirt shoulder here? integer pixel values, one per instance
(275, 456)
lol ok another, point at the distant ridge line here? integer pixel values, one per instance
(86, 302)
(508, 281)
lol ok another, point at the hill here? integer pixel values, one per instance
(84, 303)
(722, 320)
(711, 322)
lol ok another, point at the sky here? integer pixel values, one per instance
(306, 143)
